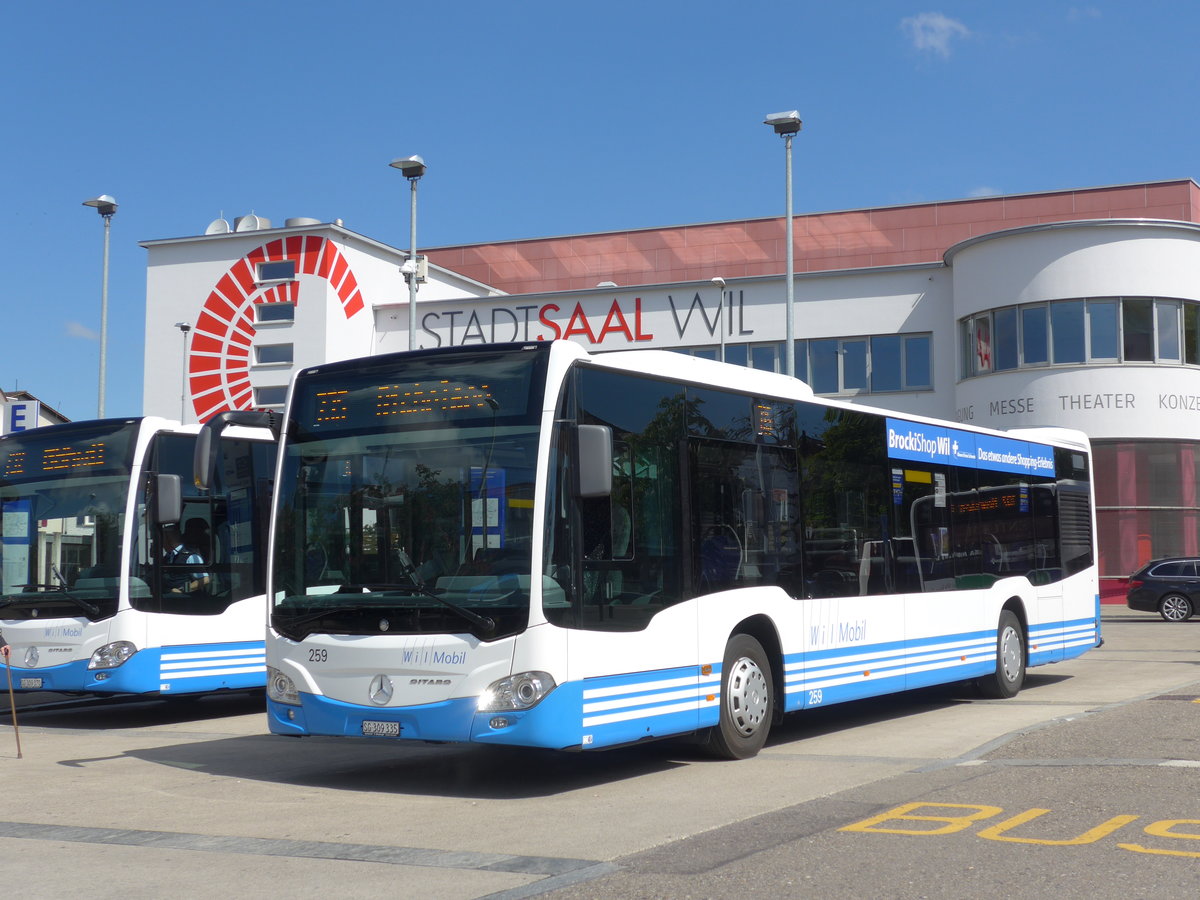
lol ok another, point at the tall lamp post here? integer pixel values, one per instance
(185, 327)
(719, 284)
(787, 126)
(107, 207)
(412, 167)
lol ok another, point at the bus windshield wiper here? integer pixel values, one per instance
(329, 611)
(51, 593)
(486, 623)
(417, 586)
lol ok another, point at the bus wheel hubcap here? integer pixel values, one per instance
(1010, 654)
(748, 696)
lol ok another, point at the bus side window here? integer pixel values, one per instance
(847, 500)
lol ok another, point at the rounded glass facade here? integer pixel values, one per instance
(1081, 331)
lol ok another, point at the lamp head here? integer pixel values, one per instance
(719, 282)
(412, 167)
(784, 123)
(104, 204)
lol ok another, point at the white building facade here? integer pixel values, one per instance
(1078, 309)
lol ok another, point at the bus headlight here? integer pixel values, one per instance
(112, 655)
(516, 692)
(281, 688)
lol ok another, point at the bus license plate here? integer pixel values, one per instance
(30, 684)
(381, 729)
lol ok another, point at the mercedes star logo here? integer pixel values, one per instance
(380, 691)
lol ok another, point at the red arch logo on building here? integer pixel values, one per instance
(218, 362)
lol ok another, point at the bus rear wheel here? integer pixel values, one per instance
(1006, 681)
(747, 701)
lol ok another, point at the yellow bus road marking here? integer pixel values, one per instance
(924, 819)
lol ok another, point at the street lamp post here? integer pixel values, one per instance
(107, 207)
(719, 284)
(787, 125)
(412, 167)
(185, 327)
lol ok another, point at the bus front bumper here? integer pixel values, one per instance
(552, 724)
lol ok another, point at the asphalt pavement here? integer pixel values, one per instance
(1084, 785)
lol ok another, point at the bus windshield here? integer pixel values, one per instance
(62, 504)
(405, 504)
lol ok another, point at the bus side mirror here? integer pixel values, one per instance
(595, 457)
(168, 500)
(204, 459)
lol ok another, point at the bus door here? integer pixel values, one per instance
(1046, 568)
(622, 556)
(204, 564)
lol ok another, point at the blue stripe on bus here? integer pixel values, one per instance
(187, 669)
(195, 668)
(621, 709)
(828, 676)
(630, 707)
(598, 712)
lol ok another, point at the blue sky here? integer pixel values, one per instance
(536, 117)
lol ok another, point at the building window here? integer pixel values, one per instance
(1007, 354)
(1066, 332)
(1106, 330)
(823, 366)
(1034, 343)
(282, 270)
(1137, 323)
(886, 365)
(854, 365)
(1103, 330)
(900, 362)
(270, 395)
(765, 357)
(918, 363)
(982, 345)
(1166, 329)
(274, 312)
(273, 353)
(867, 364)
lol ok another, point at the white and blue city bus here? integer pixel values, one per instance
(526, 544)
(95, 597)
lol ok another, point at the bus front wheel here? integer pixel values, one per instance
(1006, 681)
(747, 701)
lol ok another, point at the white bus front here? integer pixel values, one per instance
(91, 599)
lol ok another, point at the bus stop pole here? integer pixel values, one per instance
(12, 700)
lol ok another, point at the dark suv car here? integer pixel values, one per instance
(1169, 587)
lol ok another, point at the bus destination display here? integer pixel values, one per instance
(31, 456)
(418, 401)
